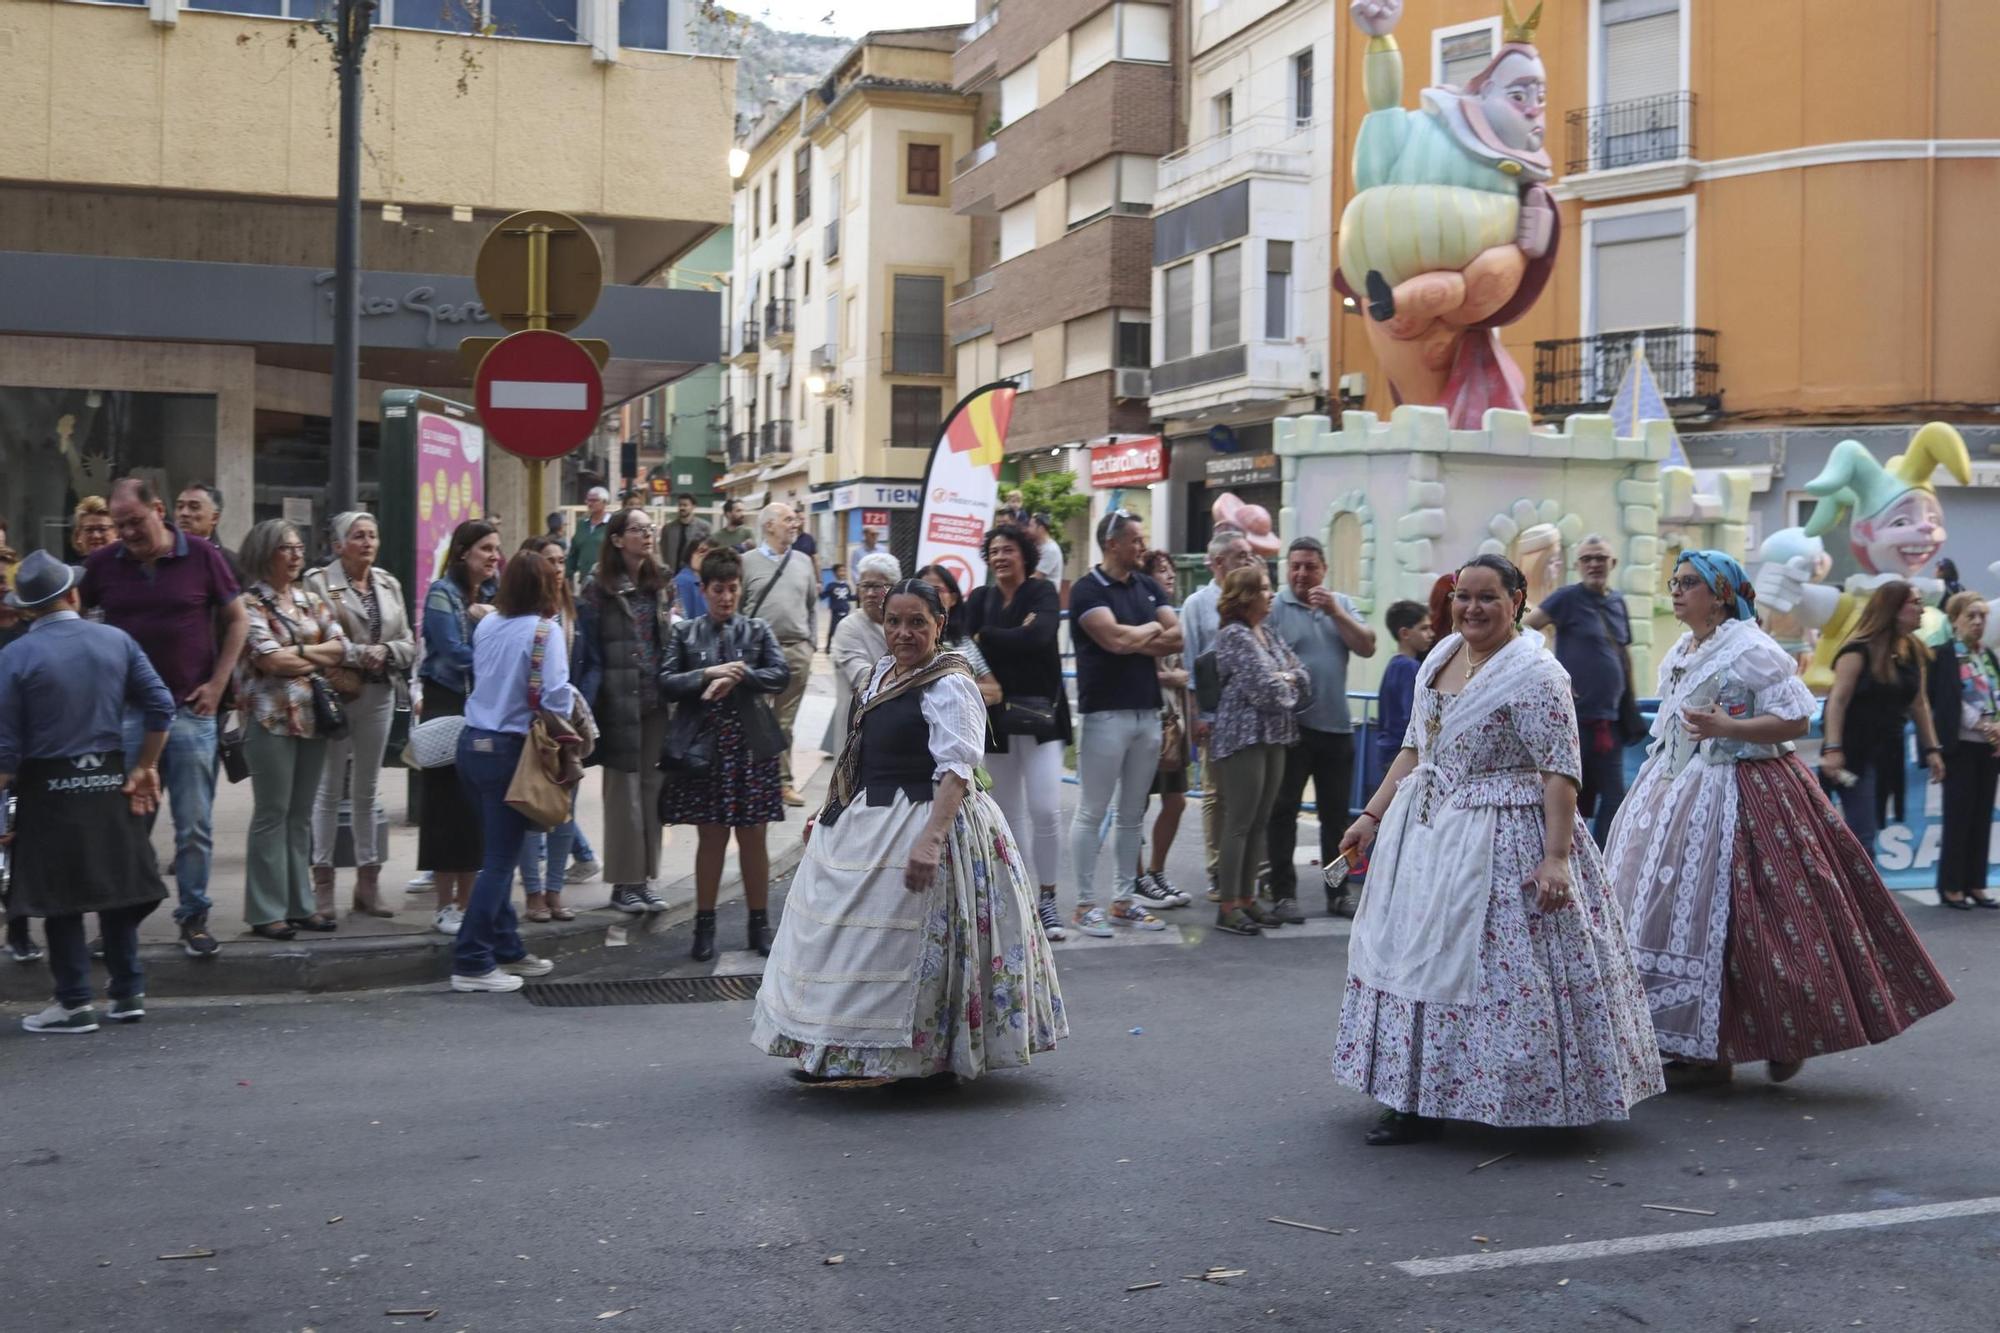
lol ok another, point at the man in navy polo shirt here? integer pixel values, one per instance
(1592, 631)
(1121, 620)
(178, 598)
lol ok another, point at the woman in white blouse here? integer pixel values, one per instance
(909, 946)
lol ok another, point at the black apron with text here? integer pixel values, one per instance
(77, 845)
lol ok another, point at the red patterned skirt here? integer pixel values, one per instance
(1819, 957)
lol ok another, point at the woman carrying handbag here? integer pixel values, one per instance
(291, 714)
(520, 669)
(722, 746)
(369, 603)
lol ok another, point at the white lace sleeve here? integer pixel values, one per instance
(1773, 678)
(957, 717)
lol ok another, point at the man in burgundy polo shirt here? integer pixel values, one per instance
(177, 597)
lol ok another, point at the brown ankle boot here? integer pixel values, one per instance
(367, 892)
(323, 891)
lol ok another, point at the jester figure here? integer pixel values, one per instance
(1896, 530)
(1451, 232)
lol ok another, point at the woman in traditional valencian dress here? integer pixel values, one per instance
(1488, 974)
(1761, 929)
(909, 946)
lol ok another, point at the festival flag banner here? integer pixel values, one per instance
(962, 484)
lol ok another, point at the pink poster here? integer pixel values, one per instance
(451, 487)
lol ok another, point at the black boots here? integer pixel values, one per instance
(704, 936)
(760, 931)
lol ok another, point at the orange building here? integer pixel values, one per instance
(1794, 201)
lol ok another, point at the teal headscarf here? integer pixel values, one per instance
(1725, 579)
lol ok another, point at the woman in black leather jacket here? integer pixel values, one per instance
(722, 747)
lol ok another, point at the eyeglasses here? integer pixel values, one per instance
(1685, 583)
(1593, 560)
(292, 548)
(874, 585)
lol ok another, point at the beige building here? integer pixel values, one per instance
(166, 227)
(846, 253)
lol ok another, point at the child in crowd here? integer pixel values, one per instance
(838, 594)
(1410, 626)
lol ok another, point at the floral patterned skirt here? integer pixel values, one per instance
(864, 984)
(738, 790)
(1557, 1033)
(1820, 958)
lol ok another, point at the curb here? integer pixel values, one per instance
(382, 961)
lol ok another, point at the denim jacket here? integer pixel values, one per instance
(448, 634)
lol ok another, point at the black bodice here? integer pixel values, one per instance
(896, 751)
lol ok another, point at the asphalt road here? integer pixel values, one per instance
(525, 1168)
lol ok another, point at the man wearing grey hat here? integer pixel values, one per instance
(80, 841)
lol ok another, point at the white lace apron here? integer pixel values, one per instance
(1423, 910)
(1670, 849)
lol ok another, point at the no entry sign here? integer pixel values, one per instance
(539, 394)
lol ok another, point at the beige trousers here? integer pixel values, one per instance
(799, 657)
(631, 849)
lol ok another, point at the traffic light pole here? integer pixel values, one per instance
(353, 21)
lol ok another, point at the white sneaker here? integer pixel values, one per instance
(421, 880)
(56, 1018)
(529, 966)
(448, 920)
(496, 980)
(1090, 920)
(580, 872)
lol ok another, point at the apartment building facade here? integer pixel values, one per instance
(1788, 202)
(1077, 103)
(167, 251)
(1242, 251)
(846, 251)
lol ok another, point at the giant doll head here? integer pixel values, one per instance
(1897, 523)
(1504, 107)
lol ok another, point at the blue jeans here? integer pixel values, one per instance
(491, 933)
(1857, 807)
(555, 846)
(187, 771)
(69, 955)
(580, 850)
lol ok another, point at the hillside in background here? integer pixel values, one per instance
(772, 64)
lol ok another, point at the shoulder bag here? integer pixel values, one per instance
(761, 731)
(1632, 728)
(329, 717)
(535, 791)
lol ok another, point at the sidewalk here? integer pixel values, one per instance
(372, 952)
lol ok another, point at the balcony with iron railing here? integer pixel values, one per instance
(746, 341)
(916, 354)
(775, 439)
(1584, 374)
(742, 449)
(1262, 145)
(778, 321)
(1643, 131)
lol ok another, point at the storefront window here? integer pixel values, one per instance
(59, 445)
(294, 460)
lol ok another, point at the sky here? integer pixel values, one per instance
(851, 18)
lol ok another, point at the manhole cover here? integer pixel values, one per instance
(640, 990)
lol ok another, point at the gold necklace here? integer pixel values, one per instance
(1472, 668)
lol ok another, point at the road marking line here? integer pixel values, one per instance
(553, 395)
(1688, 1240)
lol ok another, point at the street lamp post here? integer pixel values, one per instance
(353, 20)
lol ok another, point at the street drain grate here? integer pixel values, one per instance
(640, 990)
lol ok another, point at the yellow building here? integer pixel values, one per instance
(846, 252)
(167, 173)
(1791, 201)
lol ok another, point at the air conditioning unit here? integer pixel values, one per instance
(1133, 382)
(1354, 385)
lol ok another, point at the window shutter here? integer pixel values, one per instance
(1642, 58)
(1640, 284)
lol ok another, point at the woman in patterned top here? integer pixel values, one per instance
(1488, 974)
(1263, 684)
(1761, 929)
(294, 635)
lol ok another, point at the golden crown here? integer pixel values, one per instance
(1514, 29)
